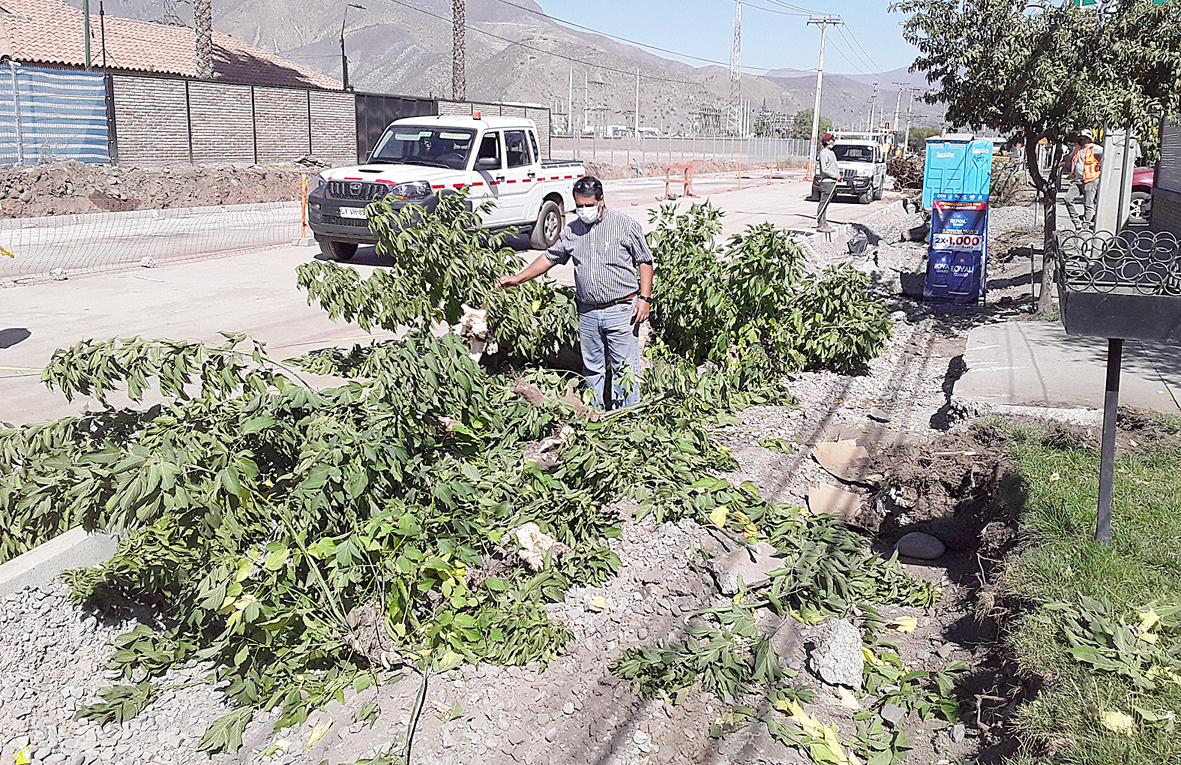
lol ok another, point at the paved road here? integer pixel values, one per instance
(105, 241)
(256, 293)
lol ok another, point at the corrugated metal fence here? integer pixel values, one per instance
(50, 114)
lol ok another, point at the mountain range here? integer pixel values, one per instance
(516, 53)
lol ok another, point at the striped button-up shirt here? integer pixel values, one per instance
(606, 256)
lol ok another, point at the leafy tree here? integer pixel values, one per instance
(1046, 74)
(918, 139)
(802, 125)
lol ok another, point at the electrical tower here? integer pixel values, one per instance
(169, 15)
(822, 22)
(736, 72)
(458, 42)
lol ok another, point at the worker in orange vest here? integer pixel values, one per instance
(1084, 165)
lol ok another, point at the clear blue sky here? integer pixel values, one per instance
(769, 40)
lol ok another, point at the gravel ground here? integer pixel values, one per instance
(52, 655)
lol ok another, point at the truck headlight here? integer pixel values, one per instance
(411, 190)
(864, 171)
(321, 184)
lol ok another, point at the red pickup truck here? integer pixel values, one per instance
(1140, 210)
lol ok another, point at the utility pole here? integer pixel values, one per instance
(637, 125)
(906, 141)
(458, 46)
(822, 22)
(570, 105)
(86, 31)
(344, 60)
(585, 99)
(872, 100)
(736, 72)
(897, 104)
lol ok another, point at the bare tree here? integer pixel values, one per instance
(203, 25)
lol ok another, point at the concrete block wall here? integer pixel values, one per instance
(334, 127)
(1166, 194)
(281, 121)
(222, 122)
(151, 119)
(155, 120)
(1166, 211)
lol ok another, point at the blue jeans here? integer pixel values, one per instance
(609, 332)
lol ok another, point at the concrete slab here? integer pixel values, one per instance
(1036, 364)
(42, 564)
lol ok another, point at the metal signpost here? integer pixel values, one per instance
(1118, 287)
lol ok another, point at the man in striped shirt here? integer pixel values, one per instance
(613, 286)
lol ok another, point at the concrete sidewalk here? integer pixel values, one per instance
(1036, 364)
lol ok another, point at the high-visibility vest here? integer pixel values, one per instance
(1090, 162)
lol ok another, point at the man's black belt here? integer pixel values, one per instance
(600, 306)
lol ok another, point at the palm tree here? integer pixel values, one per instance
(203, 24)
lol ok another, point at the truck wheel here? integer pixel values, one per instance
(340, 251)
(880, 192)
(1140, 209)
(815, 195)
(547, 228)
(866, 198)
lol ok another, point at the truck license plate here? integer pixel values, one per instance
(352, 212)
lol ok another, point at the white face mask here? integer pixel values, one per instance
(588, 215)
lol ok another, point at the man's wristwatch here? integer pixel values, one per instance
(645, 298)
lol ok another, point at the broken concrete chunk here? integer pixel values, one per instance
(957, 732)
(829, 500)
(535, 544)
(844, 460)
(752, 565)
(892, 714)
(836, 657)
(921, 546)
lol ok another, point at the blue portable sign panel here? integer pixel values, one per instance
(52, 114)
(957, 166)
(957, 258)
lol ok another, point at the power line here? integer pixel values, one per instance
(781, 13)
(875, 65)
(637, 43)
(853, 50)
(543, 50)
(848, 59)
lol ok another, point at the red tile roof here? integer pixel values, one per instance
(50, 32)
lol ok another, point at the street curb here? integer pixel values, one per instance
(50, 221)
(41, 565)
(969, 409)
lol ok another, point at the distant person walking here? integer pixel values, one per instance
(830, 173)
(613, 286)
(1084, 165)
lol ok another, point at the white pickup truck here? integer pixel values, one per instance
(418, 158)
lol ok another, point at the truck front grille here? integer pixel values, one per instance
(355, 190)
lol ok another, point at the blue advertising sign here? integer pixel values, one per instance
(956, 165)
(957, 256)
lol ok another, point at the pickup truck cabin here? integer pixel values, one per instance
(416, 159)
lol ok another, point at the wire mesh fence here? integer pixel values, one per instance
(62, 246)
(644, 150)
